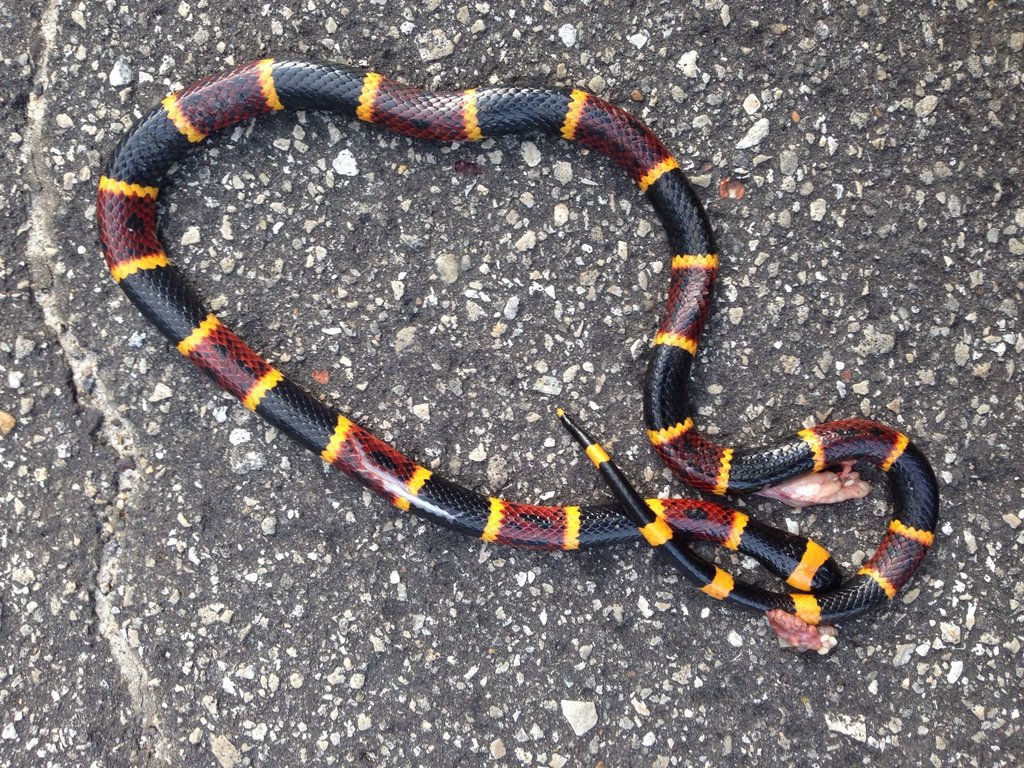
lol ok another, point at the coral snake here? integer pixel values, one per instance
(127, 215)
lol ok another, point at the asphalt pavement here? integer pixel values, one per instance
(181, 585)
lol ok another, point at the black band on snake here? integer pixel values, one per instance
(796, 470)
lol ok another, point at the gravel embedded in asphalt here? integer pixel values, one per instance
(182, 585)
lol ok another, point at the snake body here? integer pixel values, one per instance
(127, 216)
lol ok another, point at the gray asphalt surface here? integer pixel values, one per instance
(182, 586)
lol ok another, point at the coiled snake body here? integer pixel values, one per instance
(127, 214)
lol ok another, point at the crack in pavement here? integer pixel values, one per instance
(90, 392)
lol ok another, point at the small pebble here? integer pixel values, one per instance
(527, 241)
(687, 64)
(227, 754)
(853, 726)
(447, 266)
(531, 155)
(926, 106)
(757, 133)
(548, 385)
(639, 40)
(788, 162)
(511, 308)
(582, 715)
(160, 392)
(239, 436)
(950, 632)
(121, 73)
(497, 749)
(902, 654)
(561, 215)
(345, 164)
(961, 354)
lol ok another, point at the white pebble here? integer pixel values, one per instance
(757, 133)
(531, 155)
(687, 64)
(511, 308)
(239, 436)
(582, 715)
(548, 385)
(345, 164)
(567, 34)
(160, 392)
(927, 105)
(853, 726)
(190, 236)
(639, 40)
(527, 241)
(447, 266)
(121, 73)
(950, 632)
(561, 214)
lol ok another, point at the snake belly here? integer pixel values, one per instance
(127, 218)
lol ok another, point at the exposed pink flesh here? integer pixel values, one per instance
(820, 488)
(798, 634)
